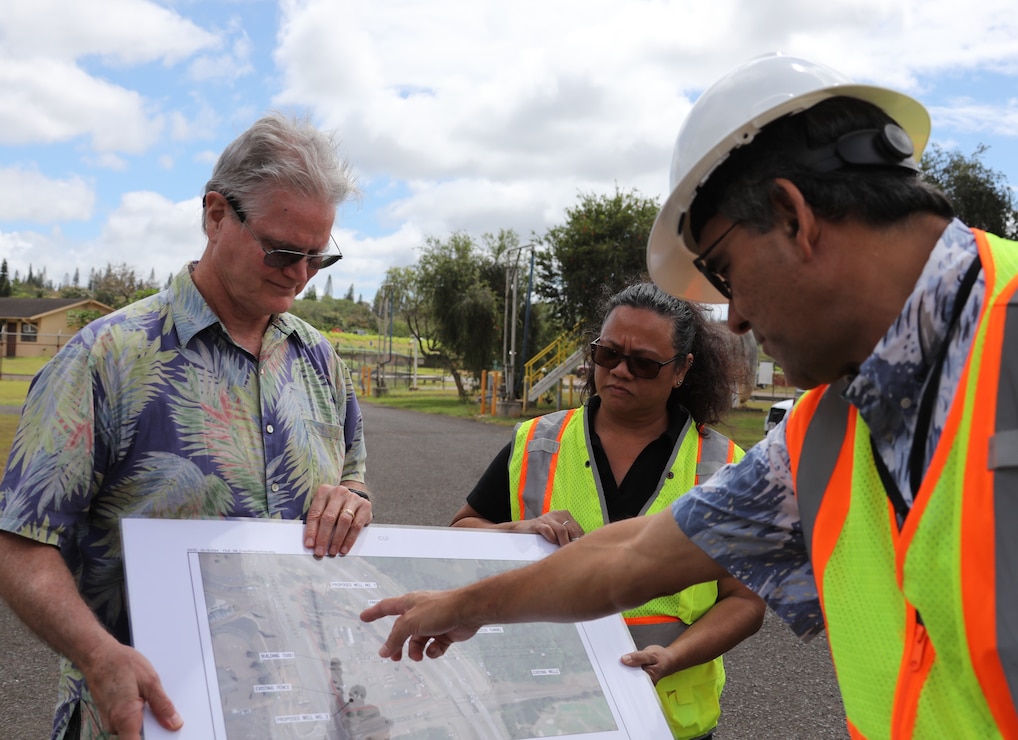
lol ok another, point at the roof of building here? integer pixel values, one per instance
(33, 308)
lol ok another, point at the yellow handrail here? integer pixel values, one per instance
(549, 358)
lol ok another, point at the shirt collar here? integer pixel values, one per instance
(891, 378)
(192, 314)
(677, 416)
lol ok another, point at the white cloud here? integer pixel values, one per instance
(48, 50)
(233, 61)
(28, 195)
(46, 100)
(979, 116)
(119, 31)
(457, 115)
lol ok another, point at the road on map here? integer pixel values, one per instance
(420, 468)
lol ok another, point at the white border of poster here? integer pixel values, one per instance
(170, 619)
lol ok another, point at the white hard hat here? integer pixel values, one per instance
(730, 114)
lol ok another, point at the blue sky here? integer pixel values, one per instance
(456, 115)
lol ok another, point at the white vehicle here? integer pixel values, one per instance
(776, 413)
(778, 410)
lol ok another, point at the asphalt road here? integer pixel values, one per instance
(420, 469)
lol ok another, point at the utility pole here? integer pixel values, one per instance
(509, 355)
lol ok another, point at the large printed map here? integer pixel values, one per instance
(293, 660)
(253, 637)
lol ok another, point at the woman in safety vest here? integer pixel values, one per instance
(661, 371)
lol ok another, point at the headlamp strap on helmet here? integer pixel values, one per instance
(889, 146)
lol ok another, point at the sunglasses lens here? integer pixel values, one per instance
(605, 357)
(721, 284)
(643, 368)
(325, 260)
(639, 367)
(280, 258)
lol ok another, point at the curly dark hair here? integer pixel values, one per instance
(712, 380)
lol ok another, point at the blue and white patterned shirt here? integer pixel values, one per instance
(154, 411)
(746, 516)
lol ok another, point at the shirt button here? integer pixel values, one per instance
(269, 428)
(275, 488)
(906, 403)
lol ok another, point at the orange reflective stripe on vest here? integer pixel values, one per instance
(923, 624)
(540, 460)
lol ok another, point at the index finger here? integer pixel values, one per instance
(399, 634)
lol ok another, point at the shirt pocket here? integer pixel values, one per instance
(326, 453)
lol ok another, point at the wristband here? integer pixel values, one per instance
(362, 494)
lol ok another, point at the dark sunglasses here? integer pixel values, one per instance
(281, 258)
(639, 367)
(715, 278)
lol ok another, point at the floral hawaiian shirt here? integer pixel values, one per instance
(154, 411)
(746, 516)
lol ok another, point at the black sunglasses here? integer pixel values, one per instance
(281, 258)
(715, 278)
(639, 367)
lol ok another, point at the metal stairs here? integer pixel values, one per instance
(546, 368)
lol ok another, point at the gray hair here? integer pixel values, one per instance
(279, 152)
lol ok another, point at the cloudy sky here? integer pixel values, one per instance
(456, 115)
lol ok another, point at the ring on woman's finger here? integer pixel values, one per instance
(348, 511)
(565, 522)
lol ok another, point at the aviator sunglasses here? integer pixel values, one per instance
(281, 258)
(639, 367)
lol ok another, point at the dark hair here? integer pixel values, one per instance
(743, 185)
(712, 380)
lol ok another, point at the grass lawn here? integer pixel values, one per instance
(744, 425)
(21, 365)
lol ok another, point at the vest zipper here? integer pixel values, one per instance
(911, 679)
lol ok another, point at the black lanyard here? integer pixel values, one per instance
(917, 454)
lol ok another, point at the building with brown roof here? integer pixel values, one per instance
(38, 327)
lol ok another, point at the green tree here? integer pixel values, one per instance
(5, 280)
(117, 285)
(79, 319)
(71, 291)
(450, 304)
(980, 195)
(327, 314)
(601, 246)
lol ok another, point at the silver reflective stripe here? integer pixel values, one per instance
(820, 450)
(1004, 450)
(542, 448)
(588, 435)
(713, 454)
(651, 500)
(662, 633)
(550, 446)
(1005, 504)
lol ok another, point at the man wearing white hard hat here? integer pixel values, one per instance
(883, 508)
